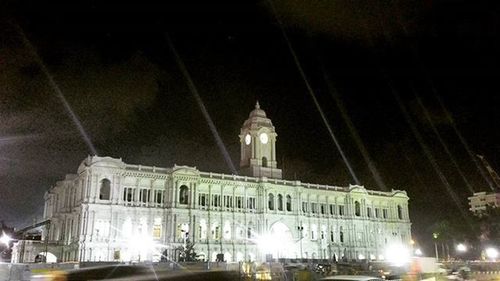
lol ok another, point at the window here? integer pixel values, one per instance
(289, 203)
(104, 190)
(304, 207)
(314, 208)
(159, 196)
(239, 202)
(251, 203)
(332, 236)
(202, 199)
(216, 232)
(157, 228)
(384, 213)
(264, 162)
(377, 212)
(369, 212)
(314, 232)
(183, 195)
(332, 210)
(280, 202)
(228, 201)
(357, 208)
(400, 212)
(341, 210)
(216, 200)
(144, 195)
(323, 209)
(271, 201)
(341, 232)
(128, 194)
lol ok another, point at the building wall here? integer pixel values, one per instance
(132, 225)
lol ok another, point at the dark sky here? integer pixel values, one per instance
(116, 70)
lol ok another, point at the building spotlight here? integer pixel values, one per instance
(5, 239)
(461, 248)
(397, 254)
(491, 253)
(418, 252)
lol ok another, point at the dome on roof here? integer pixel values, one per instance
(257, 112)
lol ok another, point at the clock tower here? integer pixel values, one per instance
(258, 146)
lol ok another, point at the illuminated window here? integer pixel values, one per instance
(157, 228)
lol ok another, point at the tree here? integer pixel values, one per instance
(187, 252)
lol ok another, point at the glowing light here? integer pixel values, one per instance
(461, 248)
(491, 253)
(412, 242)
(381, 257)
(397, 254)
(418, 252)
(5, 239)
(361, 257)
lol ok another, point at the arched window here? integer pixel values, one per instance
(183, 195)
(271, 201)
(400, 212)
(264, 162)
(280, 202)
(289, 203)
(357, 209)
(104, 190)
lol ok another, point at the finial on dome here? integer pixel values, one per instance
(257, 105)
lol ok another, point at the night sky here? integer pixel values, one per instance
(371, 66)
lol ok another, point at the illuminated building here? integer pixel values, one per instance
(113, 211)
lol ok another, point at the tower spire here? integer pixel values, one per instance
(257, 105)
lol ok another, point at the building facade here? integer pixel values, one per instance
(479, 201)
(113, 211)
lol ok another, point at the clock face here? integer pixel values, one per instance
(263, 138)
(248, 139)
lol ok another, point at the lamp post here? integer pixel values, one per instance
(435, 235)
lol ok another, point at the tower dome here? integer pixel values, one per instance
(258, 146)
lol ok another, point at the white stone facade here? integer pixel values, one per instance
(113, 211)
(479, 201)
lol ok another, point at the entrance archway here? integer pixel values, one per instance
(47, 257)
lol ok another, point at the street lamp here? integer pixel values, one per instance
(435, 235)
(461, 248)
(491, 253)
(5, 239)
